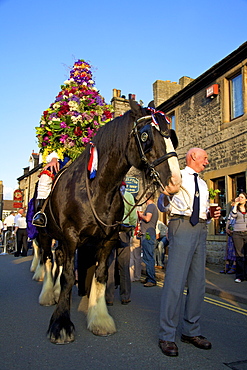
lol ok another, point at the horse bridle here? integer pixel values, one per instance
(142, 138)
(150, 166)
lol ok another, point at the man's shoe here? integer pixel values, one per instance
(149, 284)
(39, 219)
(125, 301)
(109, 303)
(198, 341)
(168, 348)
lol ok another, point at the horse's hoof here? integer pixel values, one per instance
(64, 338)
(102, 334)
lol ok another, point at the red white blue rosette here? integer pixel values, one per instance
(93, 161)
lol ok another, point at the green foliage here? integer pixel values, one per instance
(213, 193)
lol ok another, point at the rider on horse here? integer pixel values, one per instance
(66, 127)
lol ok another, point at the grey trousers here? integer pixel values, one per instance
(186, 262)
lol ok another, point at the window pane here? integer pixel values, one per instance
(236, 97)
(173, 121)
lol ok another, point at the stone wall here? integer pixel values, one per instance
(216, 249)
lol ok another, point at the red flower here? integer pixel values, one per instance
(107, 114)
(78, 131)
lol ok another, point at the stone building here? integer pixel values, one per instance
(29, 178)
(211, 112)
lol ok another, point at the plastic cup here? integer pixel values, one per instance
(212, 208)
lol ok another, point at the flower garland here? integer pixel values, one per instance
(74, 118)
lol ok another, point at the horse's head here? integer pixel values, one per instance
(153, 148)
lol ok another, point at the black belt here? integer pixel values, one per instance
(178, 217)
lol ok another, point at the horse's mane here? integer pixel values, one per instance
(114, 134)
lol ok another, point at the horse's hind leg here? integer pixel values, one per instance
(46, 297)
(57, 274)
(99, 321)
(35, 260)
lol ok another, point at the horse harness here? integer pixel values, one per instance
(144, 140)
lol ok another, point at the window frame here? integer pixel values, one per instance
(232, 99)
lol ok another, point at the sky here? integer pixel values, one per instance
(129, 44)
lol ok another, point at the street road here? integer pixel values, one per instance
(23, 325)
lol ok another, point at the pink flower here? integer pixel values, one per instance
(63, 138)
(85, 140)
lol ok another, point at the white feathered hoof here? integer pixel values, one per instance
(98, 319)
(47, 297)
(103, 326)
(39, 273)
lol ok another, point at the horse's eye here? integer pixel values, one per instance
(144, 137)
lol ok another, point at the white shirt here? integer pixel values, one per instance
(21, 222)
(182, 200)
(161, 229)
(16, 218)
(9, 221)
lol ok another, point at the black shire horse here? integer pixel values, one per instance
(86, 214)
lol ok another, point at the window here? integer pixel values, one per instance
(238, 183)
(173, 120)
(236, 96)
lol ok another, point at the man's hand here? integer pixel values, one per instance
(217, 213)
(53, 165)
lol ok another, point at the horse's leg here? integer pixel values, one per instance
(99, 321)
(46, 297)
(40, 269)
(35, 260)
(58, 273)
(61, 329)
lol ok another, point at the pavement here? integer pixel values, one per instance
(221, 285)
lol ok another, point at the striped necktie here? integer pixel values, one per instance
(194, 219)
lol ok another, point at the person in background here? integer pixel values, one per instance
(148, 239)
(187, 233)
(9, 222)
(1, 229)
(119, 259)
(21, 236)
(239, 213)
(161, 244)
(230, 257)
(19, 214)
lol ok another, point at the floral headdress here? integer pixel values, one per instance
(76, 115)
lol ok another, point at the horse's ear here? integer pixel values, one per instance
(151, 104)
(174, 138)
(136, 109)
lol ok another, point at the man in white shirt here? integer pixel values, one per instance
(187, 233)
(19, 214)
(9, 222)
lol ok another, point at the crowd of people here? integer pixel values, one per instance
(16, 224)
